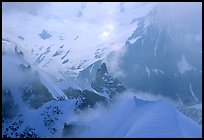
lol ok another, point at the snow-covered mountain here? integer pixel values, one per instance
(135, 117)
(54, 38)
(164, 57)
(129, 116)
(160, 57)
(71, 72)
(28, 90)
(62, 109)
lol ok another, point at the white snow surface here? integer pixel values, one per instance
(134, 117)
(81, 35)
(14, 77)
(104, 94)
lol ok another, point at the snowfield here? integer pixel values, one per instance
(134, 117)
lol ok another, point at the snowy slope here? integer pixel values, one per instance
(70, 34)
(15, 77)
(51, 85)
(67, 109)
(47, 121)
(134, 117)
(129, 116)
(48, 50)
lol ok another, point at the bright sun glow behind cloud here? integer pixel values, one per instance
(107, 31)
(84, 28)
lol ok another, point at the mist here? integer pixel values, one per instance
(93, 69)
(182, 13)
(12, 74)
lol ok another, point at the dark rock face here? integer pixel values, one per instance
(51, 115)
(9, 128)
(20, 37)
(164, 59)
(66, 61)
(25, 68)
(89, 74)
(105, 83)
(9, 109)
(84, 98)
(72, 93)
(45, 35)
(29, 133)
(58, 52)
(19, 53)
(151, 62)
(101, 77)
(102, 83)
(36, 95)
(71, 129)
(89, 99)
(11, 131)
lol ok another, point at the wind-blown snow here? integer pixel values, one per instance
(53, 89)
(104, 94)
(12, 75)
(134, 117)
(183, 65)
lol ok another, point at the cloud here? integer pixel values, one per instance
(181, 13)
(107, 31)
(9, 7)
(113, 62)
